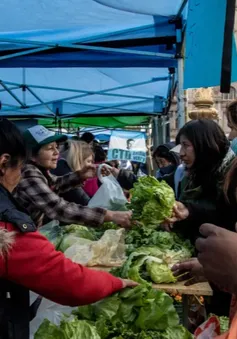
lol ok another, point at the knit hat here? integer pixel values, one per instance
(38, 136)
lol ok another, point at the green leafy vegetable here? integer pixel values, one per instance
(224, 324)
(159, 273)
(139, 313)
(152, 201)
(81, 231)
(143, 236)
(47, 330)
(79, 329)
(151, 264)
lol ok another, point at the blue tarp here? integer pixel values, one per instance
(86, 57)
(204, 44)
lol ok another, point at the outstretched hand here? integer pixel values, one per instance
(106, 171)
(129, 283)
(218, 256)
(87, 172)
(180, 212)
(190, 270)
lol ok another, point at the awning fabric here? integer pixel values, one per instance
(69, 59)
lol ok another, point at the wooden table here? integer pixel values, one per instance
(200, 289)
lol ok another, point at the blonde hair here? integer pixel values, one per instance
(78, 152)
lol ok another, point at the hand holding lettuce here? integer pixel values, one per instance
(152, 201)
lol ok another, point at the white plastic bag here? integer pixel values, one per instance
(109, 250)
(47, 310)
(110, 195)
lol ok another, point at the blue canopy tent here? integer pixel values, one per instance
(211, 49)
(62, 59)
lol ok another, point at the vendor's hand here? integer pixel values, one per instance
(129, 283)
(87, 172)
(180, 212)
(122, 219)
(190, 270)
(106, 171)
(218, 256)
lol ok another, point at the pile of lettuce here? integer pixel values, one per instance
(152, 201)
(142, 236)
(139, 313)
(151, 254)
(151, 265)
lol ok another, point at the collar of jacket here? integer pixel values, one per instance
(12, 212)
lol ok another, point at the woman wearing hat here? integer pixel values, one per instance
(38, 190)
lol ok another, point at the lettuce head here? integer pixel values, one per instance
(152, 201)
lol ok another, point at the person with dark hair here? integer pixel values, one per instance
(206, 155)
(28, 261)
(38, 190)
(88, 138)
(231, 114)
(167, 162)
(163, 154)
(217, 255)
(100, 155)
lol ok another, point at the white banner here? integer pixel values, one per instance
(127, 145)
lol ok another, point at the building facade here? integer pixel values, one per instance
(221, 101)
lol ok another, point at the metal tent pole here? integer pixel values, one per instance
(180, 96)
(164, 131)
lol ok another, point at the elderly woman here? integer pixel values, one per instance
(27, 259)
(39, 191)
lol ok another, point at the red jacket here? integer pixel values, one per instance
(30, 260)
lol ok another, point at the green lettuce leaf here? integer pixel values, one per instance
(158, 313)
(79, 329)
(81, 231)
(107, 308)
(143, 236)
(150, 264)
(47, 330)
(159, 273)
(134, 272)
(178, 332)
(85, 312)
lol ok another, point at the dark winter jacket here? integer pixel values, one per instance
(203, 205)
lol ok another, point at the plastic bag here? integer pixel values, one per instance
(53, 232)
(208, 330)
(108, 251)
(47, 310)
(110, 194)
